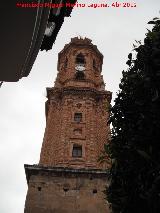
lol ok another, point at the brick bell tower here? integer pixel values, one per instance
(68, 178)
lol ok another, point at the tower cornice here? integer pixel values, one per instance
(51, 92)
(63, 171)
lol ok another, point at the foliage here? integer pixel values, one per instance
(135, 139)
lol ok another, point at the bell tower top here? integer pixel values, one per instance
(80, 65)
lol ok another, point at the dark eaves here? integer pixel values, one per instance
(55, 21)
(23, 34)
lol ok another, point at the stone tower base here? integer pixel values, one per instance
(65, 190)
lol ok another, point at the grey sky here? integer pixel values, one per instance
(22, 111)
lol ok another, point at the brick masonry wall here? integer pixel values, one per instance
(60, 137)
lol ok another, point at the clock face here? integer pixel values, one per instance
(80, 67)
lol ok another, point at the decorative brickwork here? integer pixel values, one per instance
(75, 134)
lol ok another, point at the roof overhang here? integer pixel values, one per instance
(63, 171)
(22, 33)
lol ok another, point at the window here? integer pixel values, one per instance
(77, 151)
(66, 63)
(39, 188)
(80, 75)
(94, 64)
(78, 117)
(94, 191)
(80, 59)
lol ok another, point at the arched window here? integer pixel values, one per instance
(80, 67)
(66, 63)
(94, 63)
(80, 59)
(80, 75)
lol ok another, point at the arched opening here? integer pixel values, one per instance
(80, 59)
(80, 75)
(94, 64)
(66, 63)
(80, 67)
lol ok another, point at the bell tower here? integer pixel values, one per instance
(69, 178)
